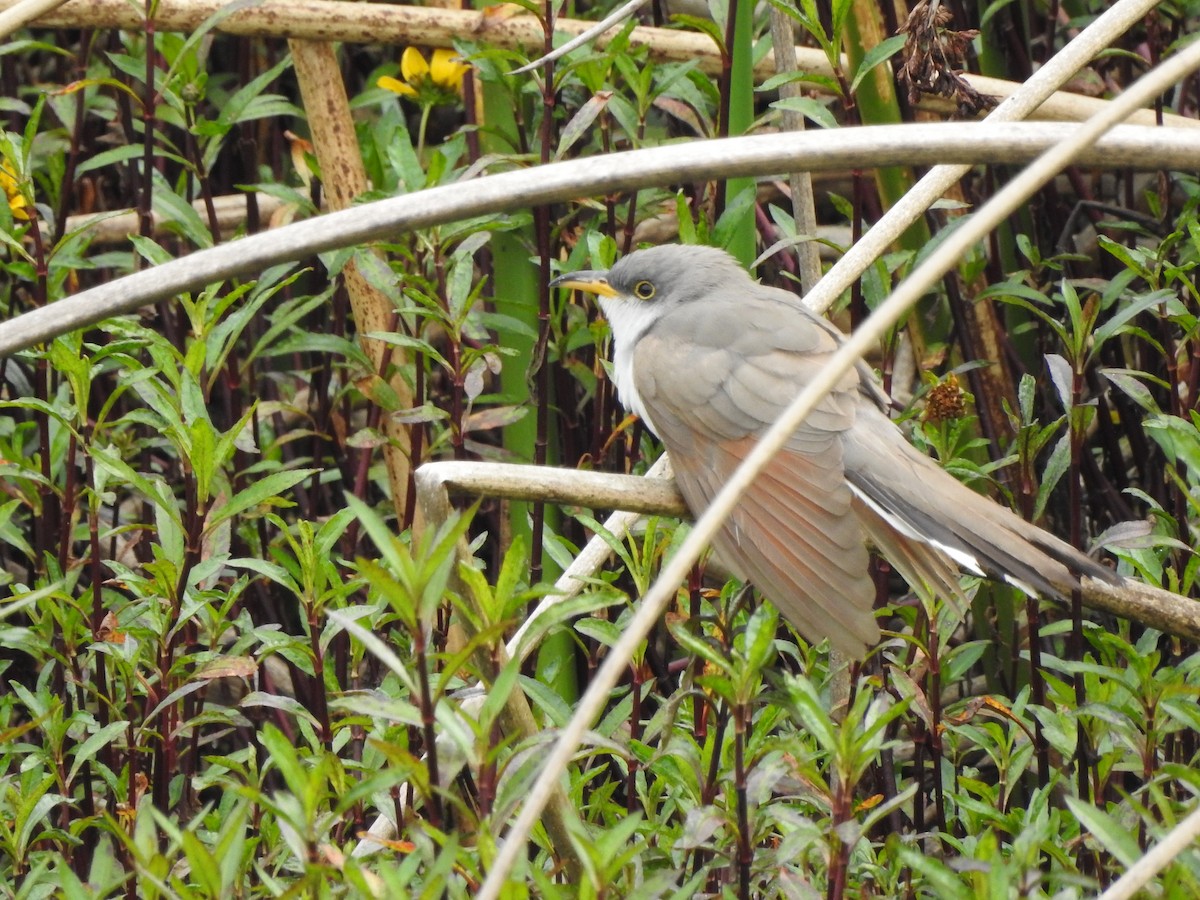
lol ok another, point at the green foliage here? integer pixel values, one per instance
(225, 653)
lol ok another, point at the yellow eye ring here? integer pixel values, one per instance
(643, 290)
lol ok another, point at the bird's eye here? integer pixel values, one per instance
(643, 290)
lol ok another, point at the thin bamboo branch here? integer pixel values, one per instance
(1030, 101)
(649, 495)
(941, 260)
(22, 12)
(800, 182)
(606, 24)
(653, 493)
(515, 717)
(344, 178)
(656, 496)
(118, 226)
(1161, 855)
(963, 143)
(380, 23)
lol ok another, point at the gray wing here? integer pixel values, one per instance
(721, 379)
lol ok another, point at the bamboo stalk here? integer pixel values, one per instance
(118, 226)
(758, 154)
(344, 179)
(376, 23)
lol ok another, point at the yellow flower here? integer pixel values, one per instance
(447, 69)
(17, 203)
(432, 83)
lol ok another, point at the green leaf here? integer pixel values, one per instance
(203, 457)
(89, 748)
(33, 812)
(827, 84)
(1056, 466)
(815, 718)
(810, 108)
(498, 692)
(581, 122)
(178, 215)
(402, 157)
(257, 699)
(38, 405)
(438, 559)
(939, 880)
(704, 26)
(114, 157)
(205, 868)
(560, 613)
(283, 757)
(270, 570)
(882, 51)
(381, 535)
(601, 630)
(377, 648)
(150, 490)
(266, 490)
(150, 250)
(331, 532)
(698, 646)
(1180, 440)
(734, 215)
(234, 109)
(1130, 383)
(687, 224)
(1117, 839)
(1128, 311)
(760, 636)
(1129, 257)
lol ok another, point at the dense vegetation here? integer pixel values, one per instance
(231, 640)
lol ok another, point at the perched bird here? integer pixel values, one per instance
(709, 359)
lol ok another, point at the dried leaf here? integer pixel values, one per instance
(227, 667)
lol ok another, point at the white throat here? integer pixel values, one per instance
(629, 320)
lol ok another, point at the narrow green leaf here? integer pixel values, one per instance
(498, 691)
(556, 710)
(1128, 311)
(703, 25)
(1056, 466)
(277, 701)
(1117, 839)
(267, 490)
(810, 108)
(581, 122)
(282, 755)
(812, 712)
(760, 636)
(205, 867)
(881, 52)
(698, 646)
(1130, 383)
(178, 215)
(89, 748)
(377, 648)
(203, 457)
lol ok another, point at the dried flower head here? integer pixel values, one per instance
(945, 401)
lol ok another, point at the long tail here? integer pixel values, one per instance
(921, 502)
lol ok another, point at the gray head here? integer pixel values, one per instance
(644, 286)
(675, 273)
(660, 276)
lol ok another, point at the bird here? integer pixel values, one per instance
(709, 358)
